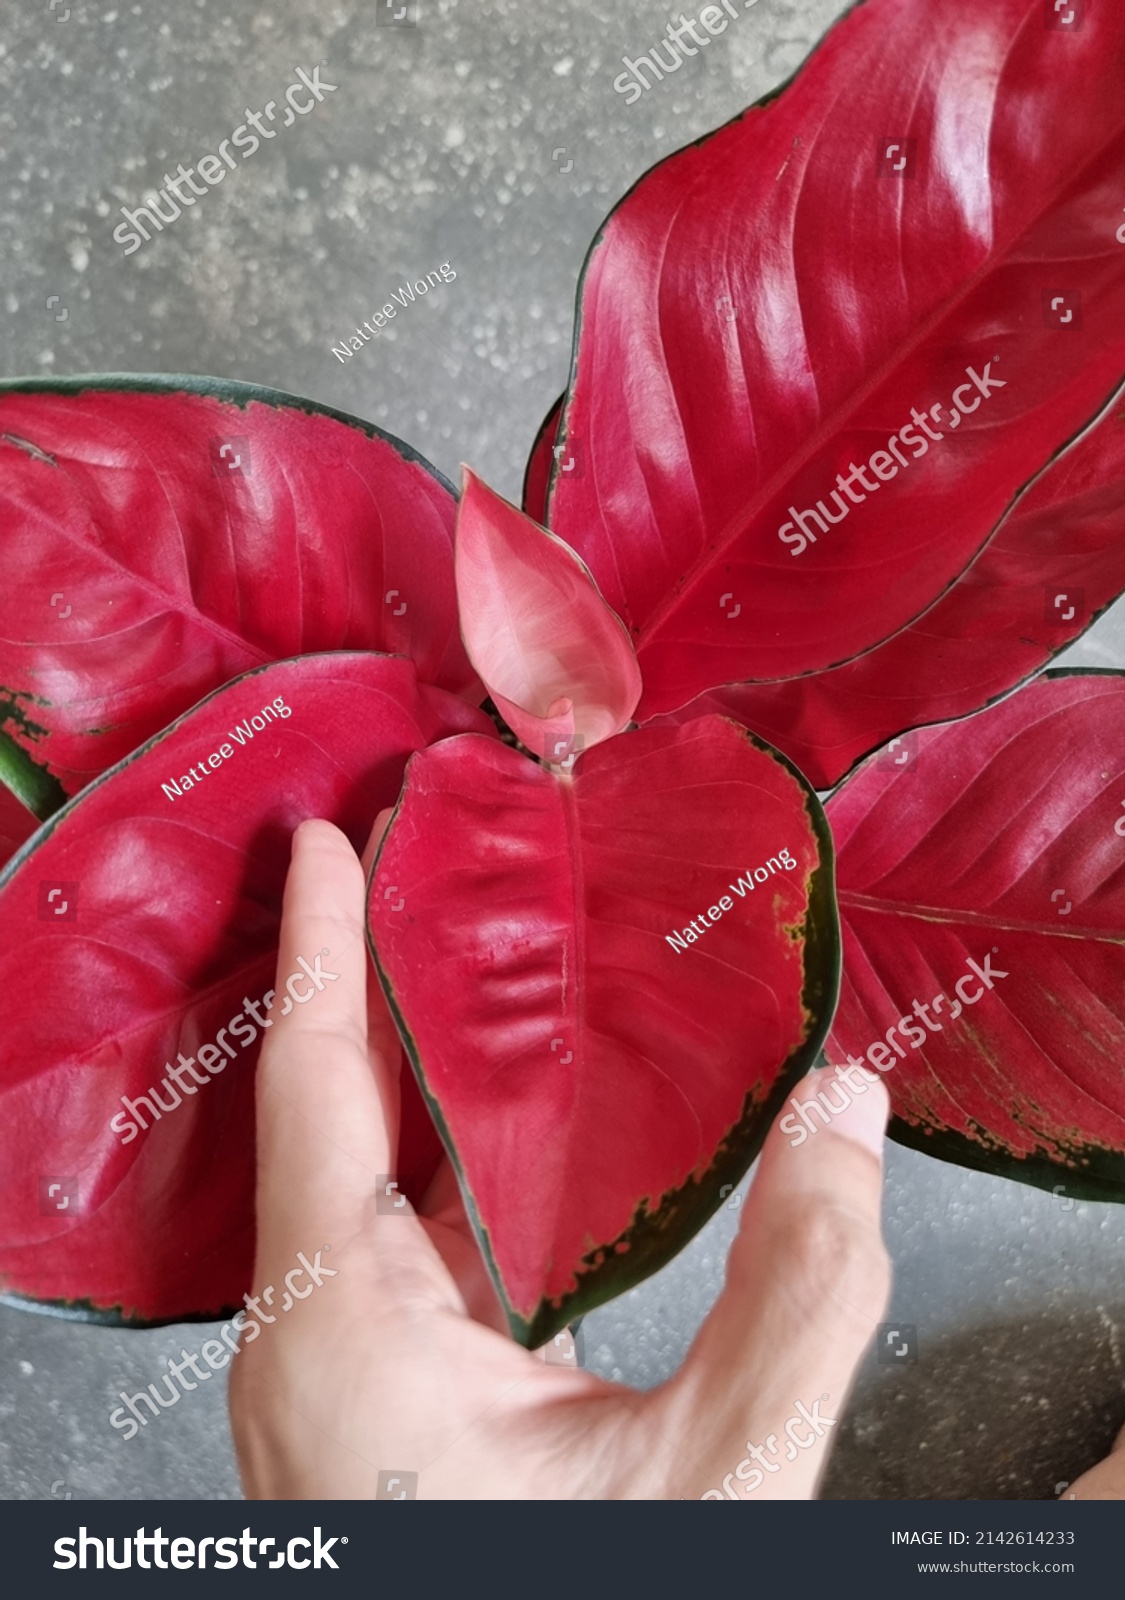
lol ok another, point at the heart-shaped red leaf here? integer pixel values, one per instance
(148, 913)
(990, 854)
(601, 1052)
(893, 291)
(161, 536)
(553, 656)
(1054, 563)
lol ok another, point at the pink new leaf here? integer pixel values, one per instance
(556, 659)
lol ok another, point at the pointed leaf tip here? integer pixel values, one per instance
(556, 659)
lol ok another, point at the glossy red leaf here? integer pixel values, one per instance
(601, 1055)
(555, 659)
(17, 824)
(924, 219)
(1054, 563)
(998, 841)
(147, 918)
(161, 536)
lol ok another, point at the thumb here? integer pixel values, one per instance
(807, 1283)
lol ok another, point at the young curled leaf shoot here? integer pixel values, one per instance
(557, 661)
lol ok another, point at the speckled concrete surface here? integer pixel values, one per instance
(487, 136)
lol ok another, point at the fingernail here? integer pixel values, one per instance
(865, 1119)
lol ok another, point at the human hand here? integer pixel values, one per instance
(1106, 1481)
(402, 1361)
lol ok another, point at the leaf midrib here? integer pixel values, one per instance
(742, 518)
(975, 919)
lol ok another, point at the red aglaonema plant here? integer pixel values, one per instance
(841, 465)
(606, 977)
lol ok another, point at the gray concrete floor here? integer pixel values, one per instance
(439, 145)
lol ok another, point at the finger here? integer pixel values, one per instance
(807, 1284)
(325, 1127)
(1106, 1481)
